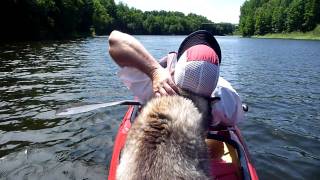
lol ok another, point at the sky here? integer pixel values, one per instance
(215, 10)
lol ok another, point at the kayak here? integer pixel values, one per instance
(234, 162)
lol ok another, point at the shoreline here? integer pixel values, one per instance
(311, 35)
(287, 36)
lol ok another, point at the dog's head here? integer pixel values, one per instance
(167, 141)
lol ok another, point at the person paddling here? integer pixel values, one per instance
(195, 67)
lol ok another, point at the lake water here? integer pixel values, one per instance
(278, 79)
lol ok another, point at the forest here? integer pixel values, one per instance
(57, 19)
(260, 17)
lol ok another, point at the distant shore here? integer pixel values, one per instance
(311, 35)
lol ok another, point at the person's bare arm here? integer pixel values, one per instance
(128, 51)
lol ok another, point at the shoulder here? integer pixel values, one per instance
(169, 60)
(223, 84)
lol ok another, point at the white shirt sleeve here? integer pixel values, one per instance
(228, 111)
(137, 82)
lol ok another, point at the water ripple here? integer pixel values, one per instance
(278, 79)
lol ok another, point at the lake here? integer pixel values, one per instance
(278, 79)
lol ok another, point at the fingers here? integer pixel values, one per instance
(163, 84)
(157, 94)
(160, 91)
(169, 89)
(163, 92)
(165, 89)
(173, 86)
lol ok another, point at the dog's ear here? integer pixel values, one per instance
(214, 99)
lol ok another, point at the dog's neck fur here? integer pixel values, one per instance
(202, 103)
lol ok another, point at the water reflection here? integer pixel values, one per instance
(36, 79)
(279, 79)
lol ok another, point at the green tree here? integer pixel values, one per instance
(42, 19)
(311, 13)
(260, 22)
(278, 19)
(102, 20)
(294, 16)
(247, 21)
(274, 16)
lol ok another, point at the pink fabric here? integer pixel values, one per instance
(223, 171)
(202, 53)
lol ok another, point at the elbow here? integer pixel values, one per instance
(117, 46)
(114, 37)
(117, 43)
(113, 40)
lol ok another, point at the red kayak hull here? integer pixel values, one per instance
(248, 170)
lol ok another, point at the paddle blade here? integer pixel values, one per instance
(77, 109)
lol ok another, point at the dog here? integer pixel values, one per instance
(167, 140)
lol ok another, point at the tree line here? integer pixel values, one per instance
(52, 19)
(219, 28)
(259, 17)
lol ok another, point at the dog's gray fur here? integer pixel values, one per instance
(167, 141)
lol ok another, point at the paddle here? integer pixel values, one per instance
(245, 107)
(90, 107)
(77, 109)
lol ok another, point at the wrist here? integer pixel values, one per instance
(154, 71)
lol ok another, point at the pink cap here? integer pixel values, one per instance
(197, 69)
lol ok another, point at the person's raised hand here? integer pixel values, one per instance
(162, 83)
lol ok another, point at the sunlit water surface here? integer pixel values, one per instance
(278, 79)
